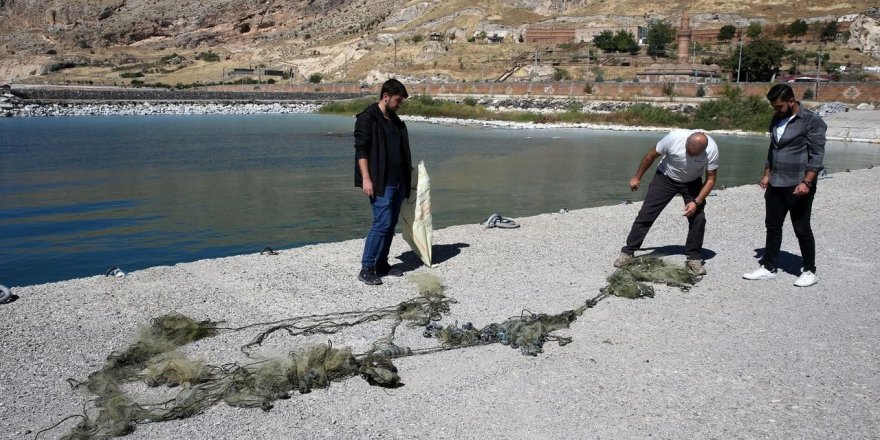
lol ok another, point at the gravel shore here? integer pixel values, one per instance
(729, 359)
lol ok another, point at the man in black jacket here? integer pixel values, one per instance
(794, 160)
(383, 168)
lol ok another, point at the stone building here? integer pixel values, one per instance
(684, 70)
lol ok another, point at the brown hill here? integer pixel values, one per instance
(117, 41)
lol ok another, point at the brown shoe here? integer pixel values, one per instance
(696, 267)
(623, 260)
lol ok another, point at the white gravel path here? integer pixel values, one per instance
(729, 359)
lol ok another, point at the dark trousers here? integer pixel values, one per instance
(779, 202)
(660, 192)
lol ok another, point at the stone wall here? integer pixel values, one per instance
(848, 92)
(241, 95)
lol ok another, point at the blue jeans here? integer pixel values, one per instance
(386, 210)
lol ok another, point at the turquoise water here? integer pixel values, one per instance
(81, 194)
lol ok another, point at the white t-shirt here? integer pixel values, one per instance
(780, 126)
(677, 165)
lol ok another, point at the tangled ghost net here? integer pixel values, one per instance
(155, 360)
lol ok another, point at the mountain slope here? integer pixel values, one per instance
(342, 39)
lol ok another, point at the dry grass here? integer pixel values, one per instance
(463, 61)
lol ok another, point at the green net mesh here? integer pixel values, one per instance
(193, 385)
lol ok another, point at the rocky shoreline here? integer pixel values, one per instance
(843, 125)
(158, 108)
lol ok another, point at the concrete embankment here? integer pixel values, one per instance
(729, 358)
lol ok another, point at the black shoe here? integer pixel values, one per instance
(387, 269)
(369, 276)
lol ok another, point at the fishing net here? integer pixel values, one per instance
(630, 281)
(189, 386)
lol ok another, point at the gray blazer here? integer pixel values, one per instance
(801, 148)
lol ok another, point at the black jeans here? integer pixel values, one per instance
(779, 202)
(660, 192)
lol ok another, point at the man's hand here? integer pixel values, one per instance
(634, 183)
(690, 209)
(801, 189)
(764, 182)
(368, 187)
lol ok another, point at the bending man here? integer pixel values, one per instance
(687, 154)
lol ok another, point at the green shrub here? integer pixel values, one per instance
(207, 56)
(316, 78)
(561, 75)
(733, 111)
(470, 101)
(649, 115)
(808, 94)
(701, 91)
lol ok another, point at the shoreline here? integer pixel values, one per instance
(841, 126)
(730, 355)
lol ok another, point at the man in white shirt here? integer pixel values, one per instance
(687, 155)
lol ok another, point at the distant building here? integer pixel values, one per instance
(587, 35)
(684, 70)
(684, 39)
(550, 35)
(495, 39)
(692, 73)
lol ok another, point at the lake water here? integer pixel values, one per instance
(79, 195)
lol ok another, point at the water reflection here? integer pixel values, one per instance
(79, 195)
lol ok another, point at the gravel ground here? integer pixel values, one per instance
(854, 125)
(729, 359)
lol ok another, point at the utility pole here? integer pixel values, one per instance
(395, 51)
(588, 61)
(739, 66)
(818, 69)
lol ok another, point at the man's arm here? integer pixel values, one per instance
(362, 144)
(691, 207)
(815, 155)
(765, 177)
(367, 184)
(649, 159)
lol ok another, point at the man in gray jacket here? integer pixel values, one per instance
(794, 160)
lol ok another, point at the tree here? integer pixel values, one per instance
(761, 59)
(727, 32)
(754, 30)
(828, 32)
(604, 41)
(660, 34)
(625, 41)
(797, 28)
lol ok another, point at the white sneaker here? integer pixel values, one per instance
(806, 279)
(760, 274)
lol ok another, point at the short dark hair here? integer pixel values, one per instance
(780, 92)
(393, 87)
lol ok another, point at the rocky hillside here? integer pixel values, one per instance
(203, 40)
